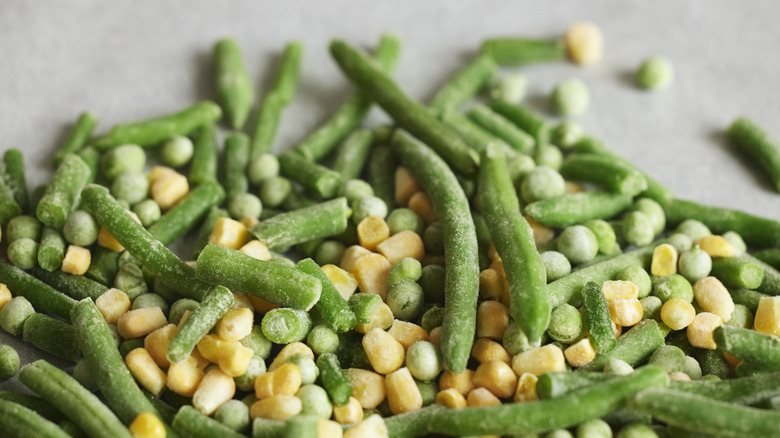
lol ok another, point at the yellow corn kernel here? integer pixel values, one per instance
(485, 350)
(481, 397)
(712, 296)
(156, 343)
(405, 186)
(625, 313)
(112, 304)
(571, 187)
(368, 387)
(241, 299)
(401, 245)
(197, 360)
(184, 378)
(619, 290)
(214, 390)
(421, 204)
(584, 43)
(349, 413)
(491, 285)
(352, 255)
(526, 388)
(731, 359)
(371, 271)
(344, 281)
(328, 429)
(767, 320)
(542, 234)
(260, 305)
(158, 172)
(76, 261)
(169, 189)
(539, 360)
(139, 322)
(372, 231)
(434, 337)
(384, 353)
(210, 346)
(497, 377)
(451, 398)
(228, 233)
(234, 358)
(492, 320)
(372, 427)
(145, 370)
(618, 330)
(106, 240)
(677, 313)
(700, 330)
(147, 425)
(5, 295)
(679, 376)
(285, 380)
(407, 333)
(580, 353)
(461, 382)
(277, 407)
(403, 395)
(498, 265)
(382, 318)
(256, 249)
(289, 350)
(249, 222)
(717, 246)
(235, 324)
(664, 260)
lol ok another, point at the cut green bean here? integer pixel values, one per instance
(381, 174)
(750, 346)
(17, 421)
(759, 145)
(333, 308)
(265, 428)
(746, 297)
(91, 157)
(151, 132)
(77, 287)
(34, 403)
(737, 273)
(521, 51)
(51, 250)
(464, 85)
(556, 384)
(202, 319)
(407, 113)
(285, 325)
(235, 160)
(52, 336)
(78, 137)
(203, 166)
(527, 120)
(9, 208)
(63, 192)
(272, 282)
(632, 347)
(597, 318)
(602, 170)
(42, 296)
(304, 224)
(319, 179)
(745, 390)
(190, 422)
(187, 213)
(770, 284)
(499, 126)
(289, 69)
(474, 135)
(13, 172)
(234, 87)
(351, 156)
(576, 208)
(461, 249)
(334, 380)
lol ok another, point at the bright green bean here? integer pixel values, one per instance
(319, 179)
(17, 421)
(304, 224)
(203, 166)
(602, 170)
(177, 221)
(43, 297)
(333, 378)
(632, 347)
(333, 308)
(597, 318)
(13, 172)
(464, 85)
(63, 191)
(52, 336)
(527, 120)
(759, 145)
(9, 208)
(750, 346)
(737, 273)
(576, 208)
(499, 126)
(78, 137)
(234, 87)
(770, 284)
(474, 135)
(91, 157)
(235, 160)
(190, 422)
(284, 325)
(207, 227)
(351, 156)
(512, 51)
(202, 319)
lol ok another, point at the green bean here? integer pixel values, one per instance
(525, 119)
(272, 282)
(151, 132)
(333, 308)
(514, 241)
(51, 250)
(284, 325)
(52, 336)
(333, 378)
(746, 297)
(413, 424)
(78, 137)
(17, 421)
(499, 126)
(91, 157)
(42, 296)
(13, 172)
(701, 414)
(187, 213)
(9, 208)
(381, 174)
(34, 403)
(475, 136)
(750, 346)
(191, 423)
(597, 318)
(319, 179)
(235, 160)
(632, 347)
(759, 145)
(744, 390)
(770, 284)
(351, 156)
(521, 51)
(352, 112)
(556, 384)
(76, 402)
(203, 166)
(464, 85)
(234, 87)
(407, 113)
(264, 428)
(154, 256)
(462, 275)
(62, 194)
(304, 224)
(575, 208)
(202, 319)
(736, 272)
(602, 170)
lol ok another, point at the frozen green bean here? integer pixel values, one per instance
(333, 308)
(52, 336)
(17, 421)
(750, 346)
(576, 208)
(597, 318)
(13, 172)
(202, 319)
(63, 192)
(235, 160)
(759, 145)
(203, 166)
(527, 120)
(234, 87)
(602, 170)
(284, 325)
(190, 422)
(78, 137)
(177, 221)
(499, 126)
(304, 224)
(513, 51)
(42, 296)
(737, 273)
(319, 179)
(464, 85)
(352, 154)
(381, 174)
(632, 347)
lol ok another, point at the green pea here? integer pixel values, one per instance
(403, 219)
(148, 212)
(150, 300)
(274, 190)
(22, 227)
(567, 134)
(245, 205)
(556, 265)
(322, 339)
(637, 430)
(518, 166)
(80, 229)
(595, 428)
(428, 391)
(309, 370)
(692, 368)
(23, 253)
(566, 324)
(177, 151)
(355, 189)
(179, 307)
(424, 360)
(681, 242)
(570, 97)
(693, 229)
(548, 155)
(542, 183)
(655, 73)
(257, 341)
(695, 264)
(405, 269)
(329, 252)
(14, 314)
(673, 286)
(121, 159)
(638, 228)
(668, 357)
(131, 187)
(654, 212)
(405, 299)
(651, 307)
(263, 167)
(433, 239)
(314, 401)
(368, 206)
(432, 318)
(558, 433)
(605, 235)
(233, 414)
(509, 88)
(246, 381)
(578, 244)
(639, 277)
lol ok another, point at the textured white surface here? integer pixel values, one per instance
(128, 60)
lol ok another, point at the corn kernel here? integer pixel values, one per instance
(461, 382)
(197, 360)
(256, 249)
(493, 253)
(498, 265)
(328, 429)
(403, 395)
(289, 350)
(234, 358)
(712, 296)
(767, 320)
(539, 360)
(352, 255)
(278, 407)
(210, 346)
(5, 295)
(235, 324)
(112, 304)
(619, 289)
(349, 413)
(451, 398)
(625, 313)
(139, 322)
(700, 330)
(147, 425)
(405, 186)
(260, 305)
(145, 370)
(485, 349)
(184, 378)
(344, 281)
(584, 43)
(402, 245)
(481, 397)
(382, 318)
(371, 271)
(228, 233)
(492, 320)
(249, 222)
(526, 388)
(285, 380)
(677, 313)
(240, 300)
(407, 333)
(717, 246)
(158, 172)
(434, 337)
(156, 343)
(368, 387)
(580, 353)
(372, 427)
(76, 261)
(664, 260)
(542, 234)
(169, 189)
(491, 284)
(421, 204)
(214, 390)
(384, 353)
(372, 231)
(497, 377)
(731, 359)
(106, 240)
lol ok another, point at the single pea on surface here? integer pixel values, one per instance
(570, 97)
(655, 73)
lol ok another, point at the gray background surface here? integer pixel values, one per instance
(128, 60)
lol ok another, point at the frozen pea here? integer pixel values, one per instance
(9, 362)
(405, 299)
(23, 253)
(246, 381)
(131, 187)
(604, 233)
(177, 151)
(355, 189)
(651, 307)
(433, 239)
(548, 155)
(403, 219)
(654, 212)
(424, 360)
(618, 367)
(741, 317)
(130, 280)
(432, 282)
(514, 340)
(735, 240)
(556, 265)
(558, 433)
(566, 324)
(595, 428)
(681, 242)
(121, 159)
(519, 165)
(542, 183)
(233, 414)
(405, 269)
(432, 318)
(14, 314)
(322, 339)
(23, 227)
(570, 97)
(257, 341)
(428, 391)
(274, 190)
(695, 264)
(307, 367)
(638, 228)
(179, 307)
(566, 134)
(668, 357)
(263, 167)
(637, 430)
(148, 212)
(329, 252)
(314, 401)
(150, 300)
(639, 277)
(509, 88)
(655, 73)
(368, 206)
(80, 229)
(245, 205)
(673, 286)
(578, 244)
(693, 229)
(692, 368)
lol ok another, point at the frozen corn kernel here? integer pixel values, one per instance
(371, 272)
(664, 260)
(492, 320)
(526, 388)
(491, 285)
(350, 413)
(277, 407)
(717, 246)
(241, 299)
(498, 265)
(5, 295)
(481, 397)
(285, 380)
(234, 358)
(584, 43)
(210, 346)
(169, 189)
(76, 261)
(156, 343)
(461, 382)
(700, 330)
(382, 319)
(732, 360)
(372, 427)
(147, 425)
(421, 204)
(712, 296)
(451, 398)
(619, 289)
(260, 305)
(434, 337)
(485, 350)
(407, 333)
(112, 304)
(625, 313)
(158, 172)
(184, 378)
(106, 240)
(767, 320)
(539, 360)
(542, 234)
(405, 186)
(145, 370)
(497, 377)
(352, 255)
(402, 245)
(384, 353)
(328, 429)
(235, 324)
(256, 249)
(228, 233)
(344, 281)
(403, 395)
(214, 390)
(289, 350)
(249, 222)
(368, 387)
(372, 231)
(580, 353)
(677, 313)
(140, 322)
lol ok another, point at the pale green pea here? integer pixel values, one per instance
(566, 134)
(548, 155)
(692, 368)
(22, 227)
(605, 235)
(233, 414)
(668, 357)
(150, 300)
(638, 229)
(509, 88)
(654, 212)
(125, 158)
(735, 240)
(368, 206)
(314, 401)
(693, 229)
(179, 307)
(542, 183)
(245, 205)
(355, 189)
(519, 165)
(405, 269)
(148, 212)
(639, 277)
(274, 190)
(637, 430)
(177, 151)
(595, 428)
(695, 264)
(405, 299)
(556, 265)
(404, 219)
(307, 366)
(618, 367)
(23, 253)
(566, 324)
(257, 341)
(651, 307)
(424, 360)
(14, 314)
(322, 339)
(263, 167)
(655, 73)
(570, 97)
(741, 317)
(80, 229)
(9, 362)
(681, 242)
(433, 239)
(578, 244)
(432, 282)
(558, 433)
(246, 381)
(329, 252)
(515, 341)
(131, 187)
